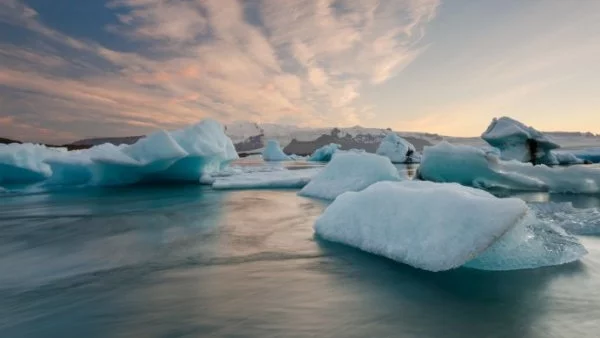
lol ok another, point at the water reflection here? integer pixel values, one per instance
(185, 261)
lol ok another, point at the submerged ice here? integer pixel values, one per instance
(438, 227)
(183, 155)
(350, 171)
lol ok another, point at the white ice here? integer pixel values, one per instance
(273, 152)
(474, 167)
(184, 155)
(397, 149)
(325, 153)
(438, 227)
(512, 137)
(350, 171)
(275, 179)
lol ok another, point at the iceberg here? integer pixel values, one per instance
(273, 152)
(325, 153)
(475, 167)
(24, 163)
(438, 227)
(276, 179)
(187, 154)
(350, 171)
(566, 158)
(517, 141)
(397, 149)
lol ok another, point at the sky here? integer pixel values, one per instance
(71, 69)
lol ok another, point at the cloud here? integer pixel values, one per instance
(267, 61)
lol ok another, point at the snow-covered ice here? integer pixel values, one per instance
(275, 179)
(184, 155)
(474, 167)
(519, 142)
(397, 149)
(350, 171)
(273, 152)
(325, 153)
(438, 227)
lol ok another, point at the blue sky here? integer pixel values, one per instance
(71, 69)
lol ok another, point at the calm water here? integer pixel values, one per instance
(186, 261)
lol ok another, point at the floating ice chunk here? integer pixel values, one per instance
(573, 220)
(519, 142)
(532, 243)
(349, 171)
(474, 167)
(566, 158)
(325, 153)
(438, 227)
(273, 152)
(591, 155)
(277, 179)
(429, 226)
(24, 163)
(397, 149)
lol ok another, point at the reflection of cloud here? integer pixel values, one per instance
(265, 61)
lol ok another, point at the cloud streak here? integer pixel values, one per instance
(301, 61)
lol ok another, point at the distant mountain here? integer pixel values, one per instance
(250, 137)
(7, 141)
(113, 140)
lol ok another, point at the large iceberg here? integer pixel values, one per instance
(182, 155)
(397, 149)
(477, 168)
(519, 142)
(276, 179)
(273, 152)
(350, 171)
(325, 153)
(439, 227)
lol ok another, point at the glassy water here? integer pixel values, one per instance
(186, 261)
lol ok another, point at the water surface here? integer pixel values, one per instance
(186, 261)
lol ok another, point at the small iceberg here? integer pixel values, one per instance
(517, 141)
(438, 227)
(273, 152)
(276, 179)
(475, 167)
(325, 153)
(398, 150)
(350, 171)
